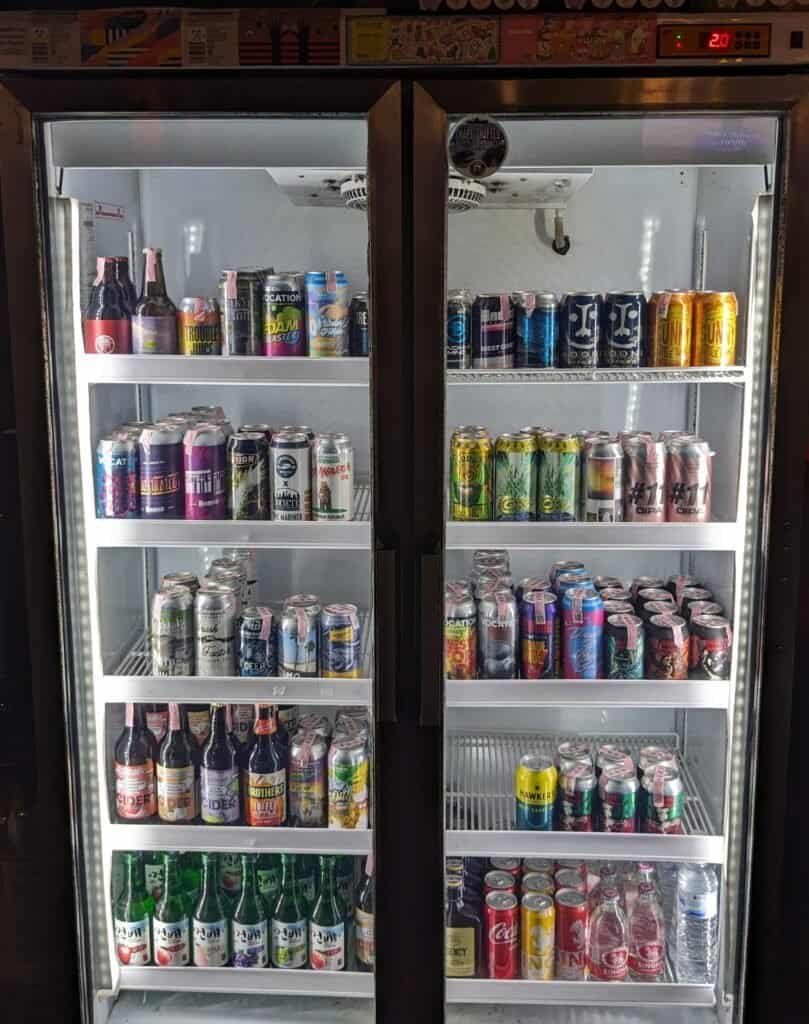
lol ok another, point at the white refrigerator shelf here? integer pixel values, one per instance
(579, 993)
(594, 693)
(266, 981)
(223, 370)
(643, 374)
(240, 839)
(714, 536)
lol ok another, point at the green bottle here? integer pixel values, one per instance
(210, 925)
(307, 881)
(153, 874)
(132, 916)
(171, 925)
(191, 875)
(230, 880)
(327, 928)
(250, 939)
(289, 919)
(268, 877)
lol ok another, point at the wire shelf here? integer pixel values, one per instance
(648, 375)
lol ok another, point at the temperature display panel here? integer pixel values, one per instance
(705, 40)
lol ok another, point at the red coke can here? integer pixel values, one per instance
(570, 878)
(498, 881)
(511, 864)
(502, 936)
(571, 935)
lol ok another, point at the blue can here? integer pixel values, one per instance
(340, 642)
(623, 334)
(582, 634)
(546, 331)
(539, 635)
(117, 479)
(256, 644)
(524, 344)
(459, 337)
(327, 313)
(580, 330)
(569, 580)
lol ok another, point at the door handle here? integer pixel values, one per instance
(431, 696)
(386, 624)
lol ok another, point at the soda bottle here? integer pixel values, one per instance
(463, 935)
(268, 877)
(219, 774)
(157, 721)
(697, 915)
(364, 919)
(288, 942)
(107, 326)
(176, 778)
(132, 917)
(250, 940)
(125, 283)
(266, 775)
(607, 876)
(171, 925)
(210, 925)
(154, 874)
(327, 930)
(647, 936)
(134, 768)
(608, 954)
(154, 322)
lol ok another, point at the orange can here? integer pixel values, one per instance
(671, 317)
(715, 315)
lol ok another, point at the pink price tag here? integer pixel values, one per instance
(538, 601)
(657, 786)
(577, 600)
(632, 632)
(679, 586)
(99, 271)
(266, 622)
(663, 305)
(572, 775)
(505, 302)
(151, 265)
(678, 632)
(230, 284)
(303, 625)
(331, 281)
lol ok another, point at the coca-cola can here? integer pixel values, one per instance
(511, 864)
(538, 881)
(571, 865)
(498, 881)
(689, 462)
(571, 935)
(644, 479)
(534, 865)
(502, 936)
(570, 878)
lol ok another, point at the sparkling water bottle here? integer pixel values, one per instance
(647, 936)
(608, 954)
(697, 915)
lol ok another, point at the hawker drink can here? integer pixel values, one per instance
(571, 935)
(623, 339)
(603, 497)
(471, 476)
(689, 465)
(348, 783)
(582, 633)
(535, 793)
(497, 634)
(160, 451)
(198, 327)
(247, 477)
(332, 478)
(545, 349)
(618, 797)
(558, 488)
(290, 476)
(340, 648)
(284, 315)
(667, 644)
(299, 637)
(644, 479)
(216, 614)
(307, 781)
(460, 631)
(515, 477)
(173, 632)
(492, 332)
(539, 635)
(670, 327)
(710, 647)
(240, 298)
(537, 927)
(662, 798)
(327, 313)
(204, 461)
(623, 647)
(117, 479)
(459, 328)
(715, 315)
(256, 642)
(580, 330)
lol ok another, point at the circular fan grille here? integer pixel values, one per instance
(463, 193)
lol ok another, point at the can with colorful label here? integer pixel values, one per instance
(535, 793)
(623, 647)
(582, 634)
(537, 927)
(117, 478)
(539, 635)
(198, 327)
(340, 648)
(204, 463)
(327, 308)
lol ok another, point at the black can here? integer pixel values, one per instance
(241, 295)
(459, 327)
(623, 334)
(492, 332)
(710, 647)
(359, 333)
(689, 595)
(247, 476)
(580, 330)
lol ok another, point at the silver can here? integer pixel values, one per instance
(246, 557)
(313, 722)
(602, 496)
(290, 476)
(644, 479)
(299, 637)
(181, 578)
(497, 634)
(306, 791)
(173, 632)
(216, 615)
(230, 570)
(348, 783)
(333, 477)
(689, 466)
(240, 295)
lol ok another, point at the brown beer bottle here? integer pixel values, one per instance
(364, 941)
(176, 777)
(134, 768)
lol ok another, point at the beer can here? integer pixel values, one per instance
(570, 878)
(614, 594)
(240, 298)
(257, 656)
(247, 481)
(603, 498)
(545, 349)
(617, 608)
(537, 928)
(528, 583)
(204, 463)
(512, 865)
(160, 455)
(499, 881)
(710, 647)
(582, 634)
(172, 632)
(659, 594)
(340, 648)
(644, 479)
(670, 328)
(535, 793)
(618, 797)
(359, 329)
(299, 637)
(181, 578)
(623, 337)
(715, 315)
(702, 608)
(607, 754)
(332, 478)
(576, 787)
(571, 581)
(524, 344)
(572, 750)
(216, 615)
(689, 464)
(198, 328)
(497, 634)
(502, 935)
(693, 595)
(460, 634)
(459, 331)
(492, 332)
(607, 582)
(651, 755)
(662, 798)
(307, 781)
(539, 635)
(231, 571)
(471, 477)
(290, 476)
(558, 488)
(568, 566)
(571, 935)
(667, 645)
(538, 882)
(348, 771)
(677, 583)
(117, 478)
(483, 558)
(540, 865)
(284, 315)
(623, 647)
(246, 557)
(580, 318)
(515, 477)
(327, 313)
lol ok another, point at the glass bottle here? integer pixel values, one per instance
(230, 880)
(463, 934)
(608, 952)
(132, 917)
(268, 877)
(307, 880)
(134, 768)
(364, 920)
(154, 322)
(647, 936)
(157, 721)
(154, 874)
(125, 283)
(219, 774)
(265, 787)
(191, 875)
(250, 940)
(171, 925)
(198, 719)
(176, 779)
(107, 327)
(327, 930)
(210, 925)
(288, 942)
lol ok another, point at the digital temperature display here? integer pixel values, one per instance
(694, 41)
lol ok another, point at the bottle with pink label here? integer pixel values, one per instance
(608, 954)
(647, 935)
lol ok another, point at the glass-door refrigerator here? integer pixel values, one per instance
(614, 445)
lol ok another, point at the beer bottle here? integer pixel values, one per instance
(157, 721)
(268, 877)
(176, 783)
(266, 775)
(107, 326)
(364, 920)
(463, 943)
(125, 283)
(288, 925)
(134, 768)
(132, 917)
(210, 925)
(250, 939)
(154, 322)
(198, 718)
(154, 874)
(171, 926)
(327, 931)
(219, 774)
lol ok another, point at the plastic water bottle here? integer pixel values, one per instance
(697, 916)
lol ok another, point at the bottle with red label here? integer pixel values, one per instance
(135, 798)
(107, 321)
(154, 322)
(265, 781)
(647, 936)
(609, 954)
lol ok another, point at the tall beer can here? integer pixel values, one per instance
(715, 315)
(458, 336)
(644, 479)
(546, 331)
(524, 343)
(240, 298)
(492, 332)
(558, 491)
(290, 476)
(307, 781)
(603, 499)
(247, 476)
(216, 614)
(204, 460)
(333, 478)
(117, 478)
(538, 923)
(172, 632)
(161, 472)
(580, 330)
(624, 329)
(198, 328)
(689, 465)
(327, 305)
(497, 634)
(471, 476)
(515, 477)
(670, 315)
(460, 633)
(299, 637)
